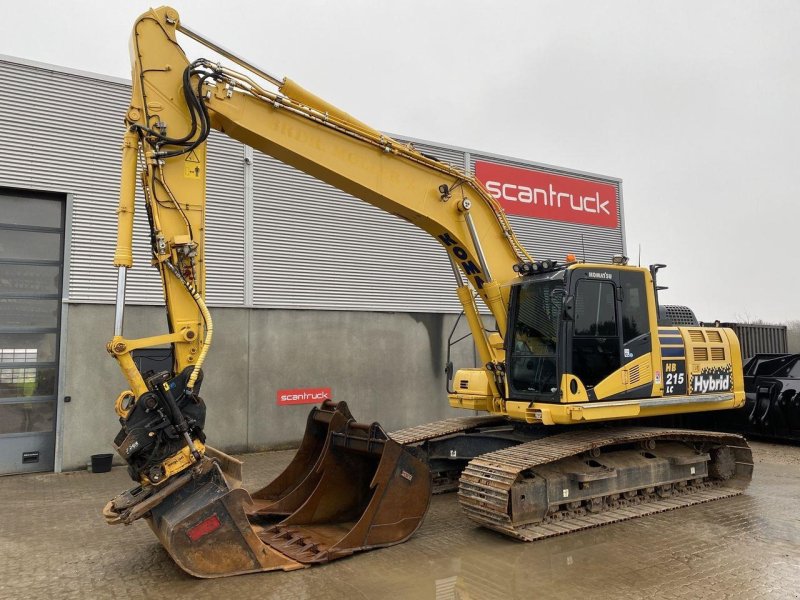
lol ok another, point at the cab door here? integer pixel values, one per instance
(595, 343)
(637, 341)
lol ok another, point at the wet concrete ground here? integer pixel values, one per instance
(55, 544)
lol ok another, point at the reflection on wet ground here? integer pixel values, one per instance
(54, 544)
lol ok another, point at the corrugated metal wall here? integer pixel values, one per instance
(312, 246)
(317, 247)
(62, 132)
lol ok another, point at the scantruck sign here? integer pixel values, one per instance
(303, 396)
(532, 193)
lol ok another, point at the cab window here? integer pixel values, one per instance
(634, 306)
(595, 342)
(595, 310)
(533, 352)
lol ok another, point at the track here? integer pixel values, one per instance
(490, 485)
(429, 431)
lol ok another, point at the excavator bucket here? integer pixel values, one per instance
(289, 490)
(370, 492)
(349, 488)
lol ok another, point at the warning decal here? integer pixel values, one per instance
(191, 166)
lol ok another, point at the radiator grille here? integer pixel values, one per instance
(718, 354)
(714, 336)
(700, 354)
(696, 335)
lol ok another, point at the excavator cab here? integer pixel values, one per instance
(572, 330)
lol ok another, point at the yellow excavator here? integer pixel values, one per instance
(580, 351)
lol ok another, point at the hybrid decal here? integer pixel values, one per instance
(303, 396)
(713, 379)
(470, 268)
(536, 193)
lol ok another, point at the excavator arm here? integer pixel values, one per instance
(175, 103)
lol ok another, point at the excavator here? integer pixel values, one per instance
(554, 439)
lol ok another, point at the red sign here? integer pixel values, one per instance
(303, 396)
(205, 527)
(531, 193)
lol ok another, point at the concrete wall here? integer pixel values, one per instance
(389, 367)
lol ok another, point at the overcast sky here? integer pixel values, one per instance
(695, 105)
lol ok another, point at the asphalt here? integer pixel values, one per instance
(55, 544)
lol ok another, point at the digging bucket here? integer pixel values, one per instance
(289, 490)
(349, 488)
(370, 492)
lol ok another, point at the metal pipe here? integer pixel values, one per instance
(456, 271)
(230, 55)
(122, 274)
(477, 243)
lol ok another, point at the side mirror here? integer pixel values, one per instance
(569, 308)
(448, 369)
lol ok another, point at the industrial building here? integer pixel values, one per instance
(297, 270)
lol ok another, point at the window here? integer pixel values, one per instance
(595, 312)
(535, 336)
(16, 378)
(538, 312)
(634, 306)
(595, 342)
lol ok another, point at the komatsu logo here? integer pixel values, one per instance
(470, 268)
(715, 379)
(594, 275)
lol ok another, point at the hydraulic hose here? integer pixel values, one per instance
(206, 341)
(198, 299)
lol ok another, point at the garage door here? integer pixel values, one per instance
(31, 263)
